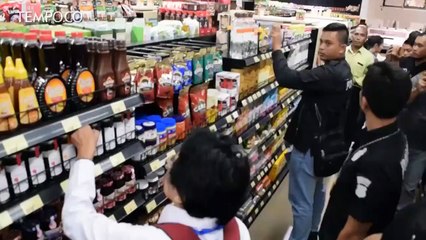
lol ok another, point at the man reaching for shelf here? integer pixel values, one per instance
(325, 91)
(207, 184)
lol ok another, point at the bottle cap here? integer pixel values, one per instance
(45, 38)
(20, 71)
(60, 34)
(77, 35)
(30, 36)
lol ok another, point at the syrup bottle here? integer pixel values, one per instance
(9, 74)
(104, 73)
(62, 48)
(5, 50)
(81, 83)
(17, 45)
(31, 55)
(121, 69)
(50, 87)
(8, 121)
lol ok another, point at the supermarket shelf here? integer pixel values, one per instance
(138, 201)
(258, 94)
(221, 123)
(161, 160)
(265, 199)
(263, 121)
(45, 132)
(55, 189)
(242, 63)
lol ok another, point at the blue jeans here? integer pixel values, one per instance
(306, 194)
(415, 169)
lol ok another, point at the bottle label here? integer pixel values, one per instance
(38, 172)
(109, 86)
(19, 177)
(66, 74)
(55, 95)
(86, 86)
(4, 187)
(29, 111)
(7, 113)
(126, 79)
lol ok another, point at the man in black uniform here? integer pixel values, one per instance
(327, 89)
(413, 120)
(365, 196)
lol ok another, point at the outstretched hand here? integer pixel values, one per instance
(85, 139)
(277, 37)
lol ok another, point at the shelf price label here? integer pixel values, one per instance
(155, 165)
(31, 204)
(244, 102)
(118, 107)
(117, 159)
(269, 194)
(262, 203)
(15, 144)
(5, 219)
(259, 177)
(256, 211)
(253, 184)
(250, 99)
(235, 115)
(71, 124)
(64, 185)
(257, 126)
(263, 91)
(98, 170)
(112, 217)
(213, 128)
(130, 207)
(151, 206)
(256, 59)
(229, 119)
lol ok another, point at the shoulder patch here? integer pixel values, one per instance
(362, 186)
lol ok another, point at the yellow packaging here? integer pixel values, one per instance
(282, 92)
(278, 166)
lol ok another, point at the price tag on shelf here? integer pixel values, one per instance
(64, 185)
(262, 173)
(271, 115)
(240, 140)
(151, 206)
(259, 177)
(98, 170)
(262, 203)
(229, 119)
(274, 187)
(256, 59)
(282, 105)
(250, 219)
(257, 126)
(269, 165)
(213, 128)
(235, 115)
(71, 124)
(259, 94)
(289, 100)
(256, 211)
(263, 91)
(5, 219)
(255, 97)
(155, 165)
(112, 217)
(171, 154)
(263, 148)
(250, 99)
(118, 107)
(253, 184)
(269, 194)
(31, 204)
(117, 159)
(244, 102)
(130, 207)
(15, 144)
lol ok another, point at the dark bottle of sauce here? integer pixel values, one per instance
(91, 52)
(105, 73)
(62, 48)
(5, 49)
(121, 69)
(31, 56)
(81, 83)
(50, 87)
(17, 45)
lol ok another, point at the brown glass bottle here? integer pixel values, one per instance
(104, 73)
(91, 53)
(121, 69)
(5, 49)
(50, 87)
(81, 82)
(62, 48)
(31, 56)
(17, 45)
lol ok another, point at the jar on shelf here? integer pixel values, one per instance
(162, 137)
(129, 178)
(150, 137)
(68, 151)
(52, 158)
(4, 186)
(120, 130)
(152, 179)
(119, 185)
(109, 134)
(129, 123)
(160, 174)
(171, 131)
(36, 167)
(107, 192)
(142, 185)
(16, 173)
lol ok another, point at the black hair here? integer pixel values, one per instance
(387, 89)
(412, 38)
(373, 40)
(211, 176)
(341, 29)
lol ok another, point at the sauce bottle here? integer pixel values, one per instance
(9, 74)
(81, 83)
(17, 45)
(105, 73)
(31, 56)
(49, 86)
(5, 50)
(91, 52)
(121, 69)
(62, 48)
(29, 110)
(8, 121)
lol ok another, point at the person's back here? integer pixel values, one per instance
(324, 97)
(207, 184)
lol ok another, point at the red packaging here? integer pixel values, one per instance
(183, 108)
(145, 83)
(166, 105)
(11, 12)
(163, 72)
(198, 96)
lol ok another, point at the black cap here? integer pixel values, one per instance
(408, 224)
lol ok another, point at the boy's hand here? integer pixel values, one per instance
(85, 139)
(277, 37)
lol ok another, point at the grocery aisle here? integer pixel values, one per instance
(274, 220)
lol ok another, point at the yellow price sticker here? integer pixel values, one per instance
(155, 165)
(259, 177)
(256, 211)
(253, 184)
(235, 115)
(263, 91)
(117, 159)
(98, 170)
(244, 102)
(151, 206)
(71, 124)
(64, 185)
(257, 126)
(118, 107)
(130, 207)
(5, 219)
(31, 204)
(269, 194)
(213, 128)
(15, 144)
(256, 59)
(229, 119)
(112, 217)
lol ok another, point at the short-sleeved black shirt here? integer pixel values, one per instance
(369, 185)
(413, 117)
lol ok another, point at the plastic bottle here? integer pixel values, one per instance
(31, 56)
(5, 50)
(121, 69)
(81, 83)
(9, 74)
(17, 45)
(49, 86)
(29, 110)
(8, 121)
(62, 48)
(104, 73)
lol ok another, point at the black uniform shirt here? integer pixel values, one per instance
(369, 185)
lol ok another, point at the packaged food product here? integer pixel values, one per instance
(198, 97)
(179, 70)
(152, 184)
(197, 68)
(171, 130)
(208, 65)
(119, 185)
(228, 82)
(188, 76)
(4, 186)
(180, 127)
(105, 73)
(165, 79)
(36, 166)
(143, 185)
(120, 130)
(183, 108)
(8, 120)
(129, 178)
(107, 192)
(212, 101)
(145, 80)
(16, 172)
(52, 156)
(224, 103)
(162, 137)
(166, 105)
